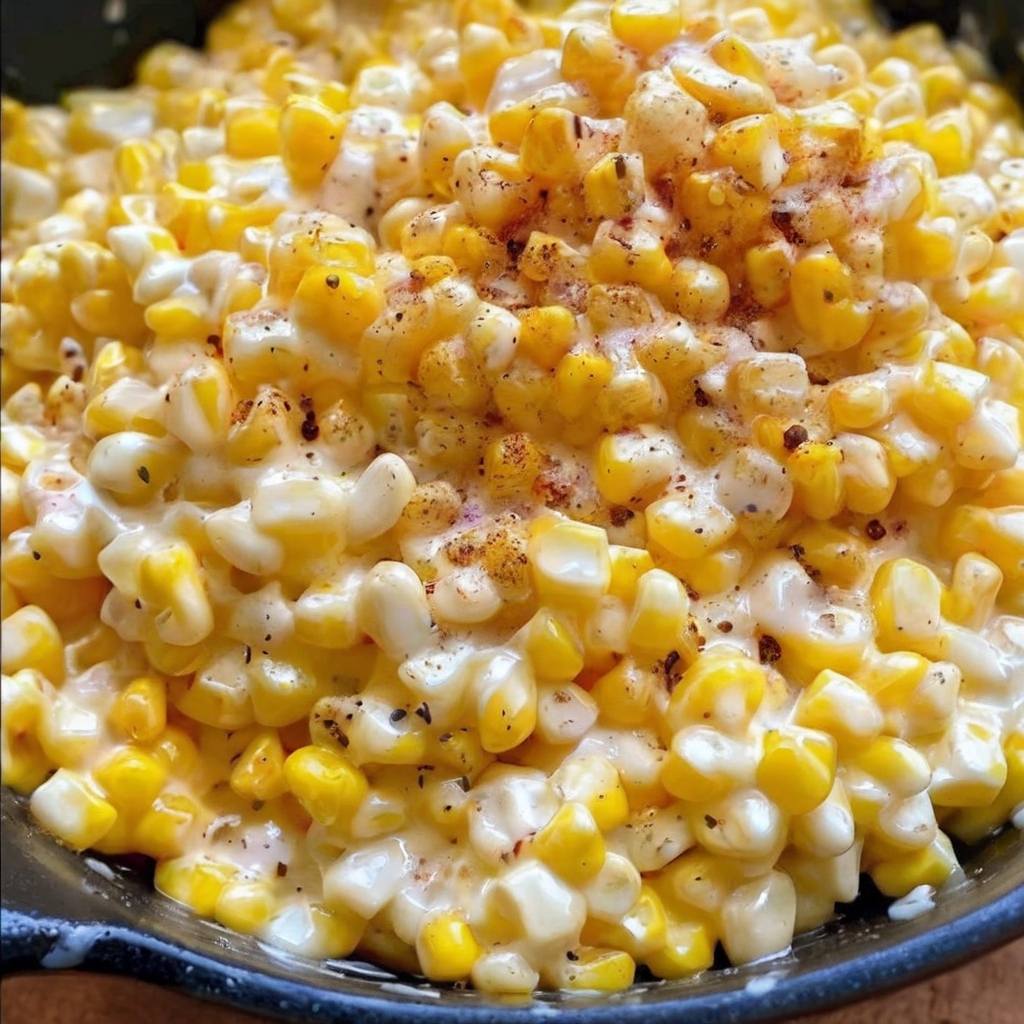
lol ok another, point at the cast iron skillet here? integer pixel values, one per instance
(63, 911)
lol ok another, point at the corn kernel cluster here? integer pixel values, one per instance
(523, 492)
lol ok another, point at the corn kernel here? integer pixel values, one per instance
(68, 806)
(570, 843)
(571, 562)
(446, 947)
(259, 773)
(131, 779)
(31, 640)
(797, 768)
(324, 783)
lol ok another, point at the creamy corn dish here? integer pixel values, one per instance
(519, 493)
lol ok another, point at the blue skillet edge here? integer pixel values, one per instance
(57, 914)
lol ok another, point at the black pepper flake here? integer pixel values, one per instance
(768, 649)
(310, 430)
(700, 397)
(570, 955)
(143, 474)
(424, 712)
(444, 737)
(36, 555)
(794, 437)
(875, 530)
(248, 654)
(282, 869)
(332, 281)
(419, 781)
(724, 627)
(620, 166)
(257, 805)
(398, 714)
(711, 821)
(464, 783)
(138, 603)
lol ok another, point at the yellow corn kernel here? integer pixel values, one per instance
(614, 187)
(628, 566)
(337, 302)
(641, 931)
(553, 648)
(450, 377)
(594, 782)
(507, 704)
(571, 843)
(259, 773)
(165, 830)
(570, 562)
(483, 48)
(896, 876)
(689, 948)
(446, 947)
(326, 613)
(646, 25)
(627, 693)
(750, 146)
(906, 598)
(723, 687)
(131, 779)
(23, 763)
(704, 764)
(699, 290)
(579, 379)
(546, 334)
(697, 883)
(858, 402)
(973, 823)
(244, 906)
(689, 526)
(31, 640)
(722, 92)
(310, 139)
(895, 763)
(620, 255)
(511, 464)
(969, 766)
(836, 705)
(596, 970)
(926, 248)
(592, 55)
(769, 267)
(814, 470)
(833, 555)
(463, 751)
(473, 250)
(824, 302)
(631, 465)
(10, 602)
(170, 582)
(12, 511)
(69, 806)
(549, 144)
(326, 785)
(797, 768)
(660, 619)
(251, 130)
(195, 881)
(140, 710)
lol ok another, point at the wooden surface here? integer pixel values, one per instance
(989, 991)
